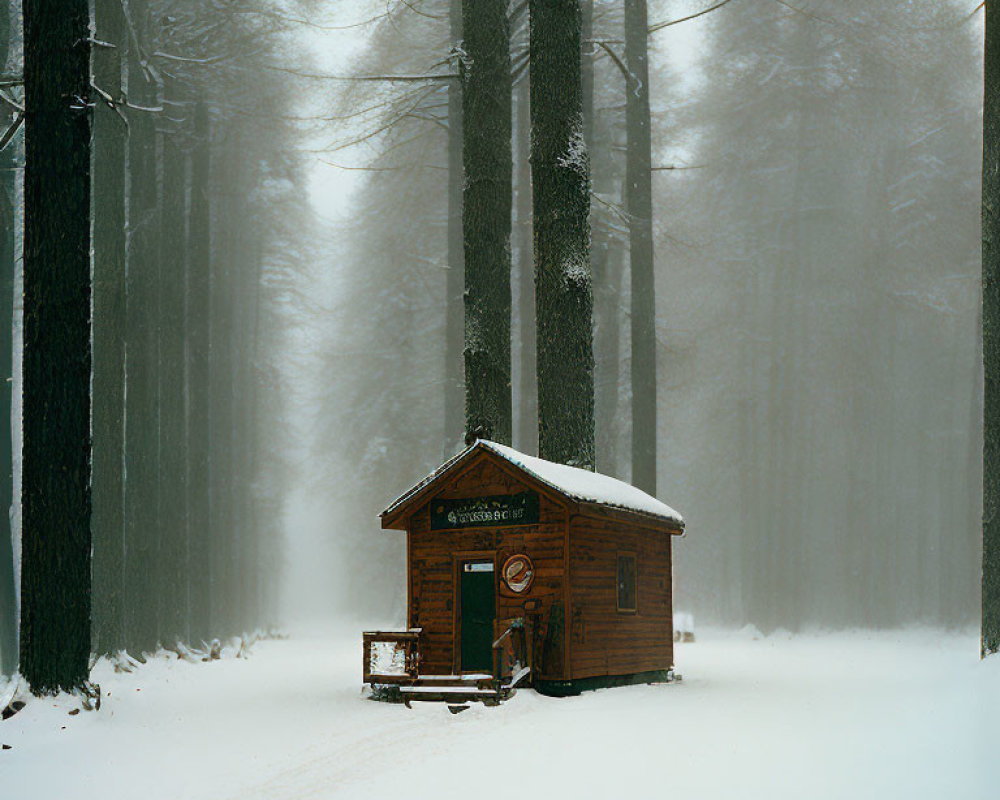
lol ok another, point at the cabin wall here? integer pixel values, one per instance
(604, 641)
(432, 571)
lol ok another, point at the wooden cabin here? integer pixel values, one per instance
(516, 564)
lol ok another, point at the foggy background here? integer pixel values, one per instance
(817, 267)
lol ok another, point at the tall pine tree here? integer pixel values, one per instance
(639, 204)
(486, 111)
(560, 172)
(55, 497)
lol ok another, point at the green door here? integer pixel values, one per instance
(478, 613)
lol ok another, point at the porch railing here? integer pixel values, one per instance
(511, 655)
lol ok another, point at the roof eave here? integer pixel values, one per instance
(669, 525)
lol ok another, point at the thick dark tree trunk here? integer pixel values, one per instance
(639, 203)
(173, 565)
(454, 378)
(8, 214)
(55, 576)
(991, 334)
(486, 110)
(199, 379)
(561, 182)
(142, 535)
(108, 523)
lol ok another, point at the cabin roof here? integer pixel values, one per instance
(576, 484)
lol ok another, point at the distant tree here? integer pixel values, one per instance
(526, 408)
(199, 375)
(56, 541)
(170, 295)
(454, 369)
(142, 487)
(109, 330)
(991, 334)
(486, 213)
(560, 172)
(639, 205)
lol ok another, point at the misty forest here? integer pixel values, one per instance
(266, 264)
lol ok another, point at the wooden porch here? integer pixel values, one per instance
(391, 664)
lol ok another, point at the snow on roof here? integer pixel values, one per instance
(577, 484)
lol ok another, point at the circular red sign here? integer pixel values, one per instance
(518, 573)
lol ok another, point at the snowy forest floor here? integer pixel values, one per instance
(910, 714)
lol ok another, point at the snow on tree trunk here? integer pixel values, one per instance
(991, 335)
(486, 110)
(639, 204)
(560, 173)
(55, 589)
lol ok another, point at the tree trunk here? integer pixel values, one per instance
(486, 110)
(199, 379)
(991, 334)
(141, 401)
(605, 263)
(173, 563)
(560, 174)
(222, 354)
(8, 214)
(109, 334)
(56, 502)
(454, 380)
(527, 407)
(639, 203)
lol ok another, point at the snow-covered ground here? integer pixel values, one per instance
(862, 715)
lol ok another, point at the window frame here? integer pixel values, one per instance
(619, 556)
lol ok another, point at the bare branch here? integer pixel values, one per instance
(618, 62)
(188, 60)
(11, 102)
(360, 169)
(287, 18)
(803, 11)
(362, 78)
(410, 6)
(9, 134)
(659, 26)
(110, 102)
(616, 209)
(517, 11)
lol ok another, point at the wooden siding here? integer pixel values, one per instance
(434, 558)
(604, 641)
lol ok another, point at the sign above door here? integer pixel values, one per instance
(485, 512)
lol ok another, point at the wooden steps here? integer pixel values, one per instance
(453, 695)
(456, 690)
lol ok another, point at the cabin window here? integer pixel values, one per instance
(626, 583)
